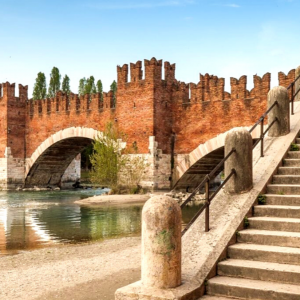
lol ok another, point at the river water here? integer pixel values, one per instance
(31, 220)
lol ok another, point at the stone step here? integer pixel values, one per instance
(283, 189)
(293, 154)
(288, 200)
(291, 162)
(272, 238)
(280, 211)
(252, 289)
(276, 254)
(274, 223)
(286, 179)
(297, 142)
(289, 171)
(260, 271)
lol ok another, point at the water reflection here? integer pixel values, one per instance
(30, 220)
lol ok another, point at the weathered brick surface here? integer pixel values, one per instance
(146, 106)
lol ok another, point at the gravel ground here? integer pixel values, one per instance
(71, 272)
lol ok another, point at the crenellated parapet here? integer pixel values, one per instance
(169, 72)
(286, 80)
(62, 102)
(262, 86)
(152, 71)
(136, 73)
(239, 88)
(8, 92)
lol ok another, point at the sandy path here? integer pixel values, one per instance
(90, 271)
(114, 199)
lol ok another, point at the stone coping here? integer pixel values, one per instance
(201, 250)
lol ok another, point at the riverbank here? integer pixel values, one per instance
(116, 199)
(78, 272)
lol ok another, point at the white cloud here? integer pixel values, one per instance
(141, 5)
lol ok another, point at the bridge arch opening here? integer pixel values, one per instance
(51, 165)
(48, 163)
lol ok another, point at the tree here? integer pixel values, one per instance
(66, 85)
(90, 87)
(40, 89)
(81, 88)
(100, 88)
(106, 159)
(113, 87)
(112, 166)
(54, 85)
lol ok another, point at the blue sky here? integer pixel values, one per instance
(82, 38)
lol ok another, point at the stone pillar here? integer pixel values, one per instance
(281, 111)
(297, 84)
(161, 243)
(241, 160)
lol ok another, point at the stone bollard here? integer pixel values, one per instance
(241, 160)
(161, 243)
(281, 111)
(297, 84)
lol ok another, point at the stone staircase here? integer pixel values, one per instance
(265, 263)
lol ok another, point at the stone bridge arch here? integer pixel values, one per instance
(193, 167)
(49, 161)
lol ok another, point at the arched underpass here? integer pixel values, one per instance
(201, 161)
(50, 166)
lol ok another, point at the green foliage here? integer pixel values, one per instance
(66, 85)
(261, 199)
(246, 222)
(87, 86)
(106, 159)
(54, 85)
(82, 83)
(113, 87)
(112, 167)
(90, 87)
(40, 89)
(100, 88)
(294, 147)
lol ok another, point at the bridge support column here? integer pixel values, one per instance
(240, 160)
(281, 111)
(161, 243)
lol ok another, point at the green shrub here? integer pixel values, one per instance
(261, 199)
(294, 147)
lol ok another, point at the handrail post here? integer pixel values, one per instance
(297, 84)
(262, 137)
(207, 205)
(161, 243)
(241, 160)
(281, 111)
(292, 95)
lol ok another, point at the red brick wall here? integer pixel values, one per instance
(12, 120)
(145, 107)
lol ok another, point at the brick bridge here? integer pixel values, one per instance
(166, 119)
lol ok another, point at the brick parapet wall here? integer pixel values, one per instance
(149, 106)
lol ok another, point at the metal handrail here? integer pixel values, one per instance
(207, 178)
(262, 132)
(291, 86)
(208, 200)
